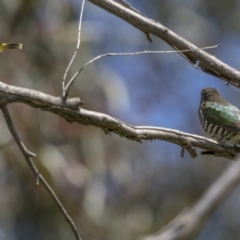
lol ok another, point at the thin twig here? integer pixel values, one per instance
(71, 81)
(206, 62)
(64, 94)
(60, 206)
(27, 154)
(28, 157)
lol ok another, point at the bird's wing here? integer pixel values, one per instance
(226, 116)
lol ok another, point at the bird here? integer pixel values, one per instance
(4, 46)
(219, 118)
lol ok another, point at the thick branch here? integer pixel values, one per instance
(10, 94)
(198, 58)
(70, 111)
(189, 223)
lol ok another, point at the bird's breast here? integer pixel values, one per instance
(218, 133)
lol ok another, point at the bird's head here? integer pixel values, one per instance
(211, 94)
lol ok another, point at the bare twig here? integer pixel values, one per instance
(190, 222)
(71, 81)
(204, 61)
(60, 206)
(27, 154)
(28, 157)
(65, 93)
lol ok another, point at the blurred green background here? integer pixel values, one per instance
(112, 188)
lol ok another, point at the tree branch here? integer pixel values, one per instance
(199, 58)
(39, 178)
(190, 222)
(70, 111)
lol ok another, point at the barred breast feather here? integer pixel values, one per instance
(221, 122)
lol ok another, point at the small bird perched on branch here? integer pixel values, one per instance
(4, 46)
(219, 119)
